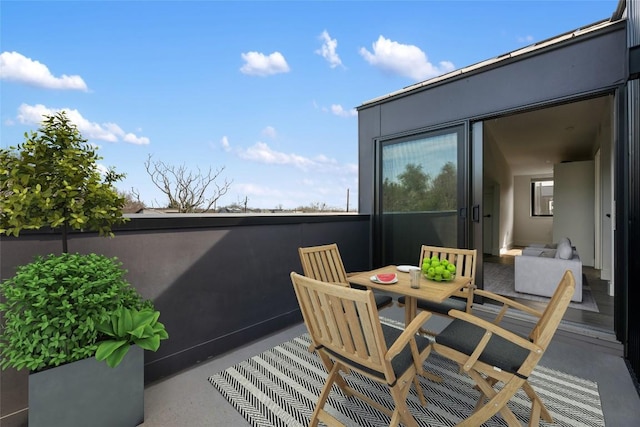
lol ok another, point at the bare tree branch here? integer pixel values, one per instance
(132, 202)
(187, 190)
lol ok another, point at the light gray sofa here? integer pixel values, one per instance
(539, 269)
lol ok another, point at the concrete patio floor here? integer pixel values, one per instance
(189, 400)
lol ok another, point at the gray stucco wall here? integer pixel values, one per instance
(591, 63)
(219, 282)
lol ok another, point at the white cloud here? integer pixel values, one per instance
(133, 139)
(525, 39)
(256, 189)
(258, 64)
(262, 153)
(338, 110)
(269, 131)
(402, 59)
(18, 68)
(328, 50)
(225, 144)
(110, 132)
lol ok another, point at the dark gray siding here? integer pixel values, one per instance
(219, 282)
(570, 69)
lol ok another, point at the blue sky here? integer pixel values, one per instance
(266, 90)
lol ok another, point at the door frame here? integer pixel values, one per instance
(462, 167)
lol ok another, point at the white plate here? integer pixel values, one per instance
(407, 268)
(374, 279)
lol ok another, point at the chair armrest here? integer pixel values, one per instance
(469, 285)
(353, 273)
(407, 335)
(507, 301)
(490, 328)
(495, 329)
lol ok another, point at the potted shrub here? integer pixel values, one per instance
(63, 310)
(65, 315)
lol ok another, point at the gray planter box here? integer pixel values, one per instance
(89, 393)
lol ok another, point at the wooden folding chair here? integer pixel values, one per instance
(491, 354)
(347, 334)
(462, 299)
(324, 263)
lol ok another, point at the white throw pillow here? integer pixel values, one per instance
(564, 251)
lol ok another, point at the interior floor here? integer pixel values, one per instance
(603, 320)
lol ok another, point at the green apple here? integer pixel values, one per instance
(451, 268)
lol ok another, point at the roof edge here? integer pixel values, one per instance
(620, 10)
(498, 60)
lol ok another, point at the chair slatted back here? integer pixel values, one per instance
(344, 321)
(323, 263)
(546, 326)
(463, 259)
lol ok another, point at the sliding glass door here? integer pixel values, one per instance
(420, 189)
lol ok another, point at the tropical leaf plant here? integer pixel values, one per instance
(127, 327)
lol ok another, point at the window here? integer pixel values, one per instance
(542, 197)
(418, 192)
(420, 175)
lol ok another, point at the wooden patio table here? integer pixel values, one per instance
(429, 289)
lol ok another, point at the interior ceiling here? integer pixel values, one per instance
(532, 142)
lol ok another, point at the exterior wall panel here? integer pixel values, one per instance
(368, 129)
(593, 64)
(218, 282)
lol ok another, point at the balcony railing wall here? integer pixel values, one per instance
(218, 281)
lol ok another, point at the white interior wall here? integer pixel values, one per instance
(497, 174)
(573, 206)
(528, 229)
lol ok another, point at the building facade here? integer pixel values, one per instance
(454, 160)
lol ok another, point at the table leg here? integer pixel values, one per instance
(410, 309)
(410, 312)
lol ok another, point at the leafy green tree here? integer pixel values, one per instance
(443, 192)
(52, 179)
(415, 191)
(415, 184)
(410, 193)
(391, 195)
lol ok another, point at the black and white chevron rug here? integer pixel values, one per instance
(281, 386)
